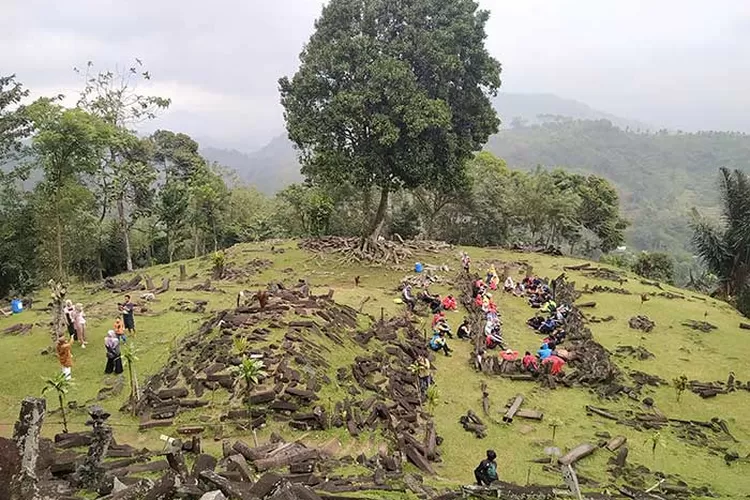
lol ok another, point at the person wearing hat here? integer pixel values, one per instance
(438, 342)
(486, 471)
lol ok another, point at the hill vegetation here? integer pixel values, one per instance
(701, 457)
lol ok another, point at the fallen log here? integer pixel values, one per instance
(586, 304)
(232, 490)
(253, 454)
(581, 451)
(530, 414)
(616, 442)
(285, 460)
(419, 460)
(600, 412)
(508, 417)
(580, 267)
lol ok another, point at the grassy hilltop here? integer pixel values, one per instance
(677, 350)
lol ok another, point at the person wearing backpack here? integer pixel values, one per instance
(486, 471)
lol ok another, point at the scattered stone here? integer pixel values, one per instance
(641, 323)
(700, 326)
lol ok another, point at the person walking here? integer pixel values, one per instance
(65, 356)
(80, 320)
(128, 314)
(114, 359)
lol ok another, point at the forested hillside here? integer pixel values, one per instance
(660, 176)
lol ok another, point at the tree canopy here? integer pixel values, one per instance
(392, 95)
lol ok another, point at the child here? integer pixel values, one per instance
(64, 356)
(120, 330)
(81, 325)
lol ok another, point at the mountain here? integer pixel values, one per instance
(275, 165)
(270, 168)
(529, 109)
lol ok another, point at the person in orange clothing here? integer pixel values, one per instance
(119, 329)
(530, 363)
(437, 318)
(509, 355)
(64, 356)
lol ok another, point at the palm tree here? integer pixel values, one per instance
(128, 353)
(251, 371)
(725, 249)
(61, 384)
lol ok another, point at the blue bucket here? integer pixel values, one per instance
(16, 306)
(418, 267)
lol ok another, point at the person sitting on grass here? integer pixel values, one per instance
(486, 471)
(449, 303)
(530, 363)
(508, 286)
(438, 342)
(437, 318)
(464, 331)
(544, 352)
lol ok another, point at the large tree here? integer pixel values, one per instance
(124, 178)
(725, 248)
(392, 94)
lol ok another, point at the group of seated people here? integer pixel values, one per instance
(434, 302)
(483, 300)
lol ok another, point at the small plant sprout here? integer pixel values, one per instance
(251, 371)
(680, 385)
(554, 423)
(61, 385)
(240, 345)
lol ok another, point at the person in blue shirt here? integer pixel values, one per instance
(545, 352)
(438, 342)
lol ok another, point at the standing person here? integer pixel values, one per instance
(81, 325)
(128, 316)
(486, 471)
(70, 319)
(65, 356)
(119, 327)
(114, 360)
(423, 372)
(466, 262)
(408, 297)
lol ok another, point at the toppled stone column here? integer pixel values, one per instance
(26, 436)
(90, 473)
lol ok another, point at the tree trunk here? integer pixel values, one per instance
(62, 410)
(125, 235)
(377, 223)
(59, 246)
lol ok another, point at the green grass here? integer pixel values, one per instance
(677, 349)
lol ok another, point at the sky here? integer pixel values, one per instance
(680, 64)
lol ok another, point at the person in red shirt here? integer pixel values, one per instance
(557, 364)
(530, 363)
(437, 318)
(449, 303)
(509, 355)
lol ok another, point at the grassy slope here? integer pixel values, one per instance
(677, 349)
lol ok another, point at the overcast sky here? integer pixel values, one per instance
(674, 63)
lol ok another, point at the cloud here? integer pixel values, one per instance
(683, 64)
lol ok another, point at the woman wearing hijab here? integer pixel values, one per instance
(112, 346)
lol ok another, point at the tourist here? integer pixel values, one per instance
(464, 331)
(65, 356)
(438, 342)
(70, 319)
(556, 363)
(508, 286)
(80, 320)
(509, 355)
(408, 298)
(449, 303)
(486, 471)
(544, 352)
(530, 363)
(423, 372)
(466, 262)
(119, 328)
(128, 316)
(114, 360)
(437, 318)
